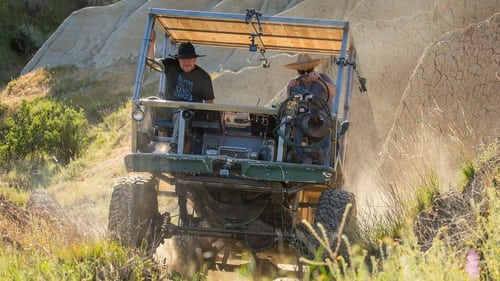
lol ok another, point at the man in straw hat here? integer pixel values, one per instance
(185, 80)
(315, 124)
(318, 84)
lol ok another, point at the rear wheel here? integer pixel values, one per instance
(133, 218)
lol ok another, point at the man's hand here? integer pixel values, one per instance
(152, 37)
(313, 75)
(151, 44)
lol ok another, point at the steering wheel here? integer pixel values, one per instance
(154, 64)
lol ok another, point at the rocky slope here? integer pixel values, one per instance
(450, 107)
(432, 68)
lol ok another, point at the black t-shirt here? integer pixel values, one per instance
(194, 86)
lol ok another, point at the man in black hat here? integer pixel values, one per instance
(185, 80)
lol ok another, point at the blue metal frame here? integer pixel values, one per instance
(233, 16)
(340, 73)
(168, 45)
(142, 58)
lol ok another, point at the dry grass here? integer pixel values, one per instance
(28, 87)
(434, 244)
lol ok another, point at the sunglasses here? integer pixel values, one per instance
(302, 72)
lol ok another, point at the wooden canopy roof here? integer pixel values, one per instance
(268, 33)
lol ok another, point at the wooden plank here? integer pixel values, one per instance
(303, 36)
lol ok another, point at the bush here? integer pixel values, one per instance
(42, 129)
(26, 39)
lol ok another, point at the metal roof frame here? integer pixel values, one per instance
(269, 33)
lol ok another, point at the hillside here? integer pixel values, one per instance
(26, 25)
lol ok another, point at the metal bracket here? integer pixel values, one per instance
(252, 14)
(344, 62)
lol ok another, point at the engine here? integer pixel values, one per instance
(307, 122)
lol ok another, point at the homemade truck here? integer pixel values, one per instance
(244, 177)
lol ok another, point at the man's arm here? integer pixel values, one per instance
(329, 84)
(151, 45)
(152, 61)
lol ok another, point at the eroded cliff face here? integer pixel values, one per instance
(432, 69)
(391, 41)
(450, 108)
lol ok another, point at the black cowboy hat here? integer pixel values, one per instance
(186, 51)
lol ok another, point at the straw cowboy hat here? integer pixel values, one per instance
(186, 51)
(304, 62)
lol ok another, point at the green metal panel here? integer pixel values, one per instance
(287, 172)
(138, 162)
(250, 169)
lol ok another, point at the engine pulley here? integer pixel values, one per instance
(316, 124)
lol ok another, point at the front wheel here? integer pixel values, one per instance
(333, 206)
(331, 209)
(133, 218)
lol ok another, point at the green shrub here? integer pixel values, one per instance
(26, 39)
(427, 192)
(468, 173)
(44, 128)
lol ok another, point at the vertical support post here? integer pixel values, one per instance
(142, 57)
(182, 132)
(281, 141)
(348, 87)
(347, 100)
(340, 73)
(139, 77)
